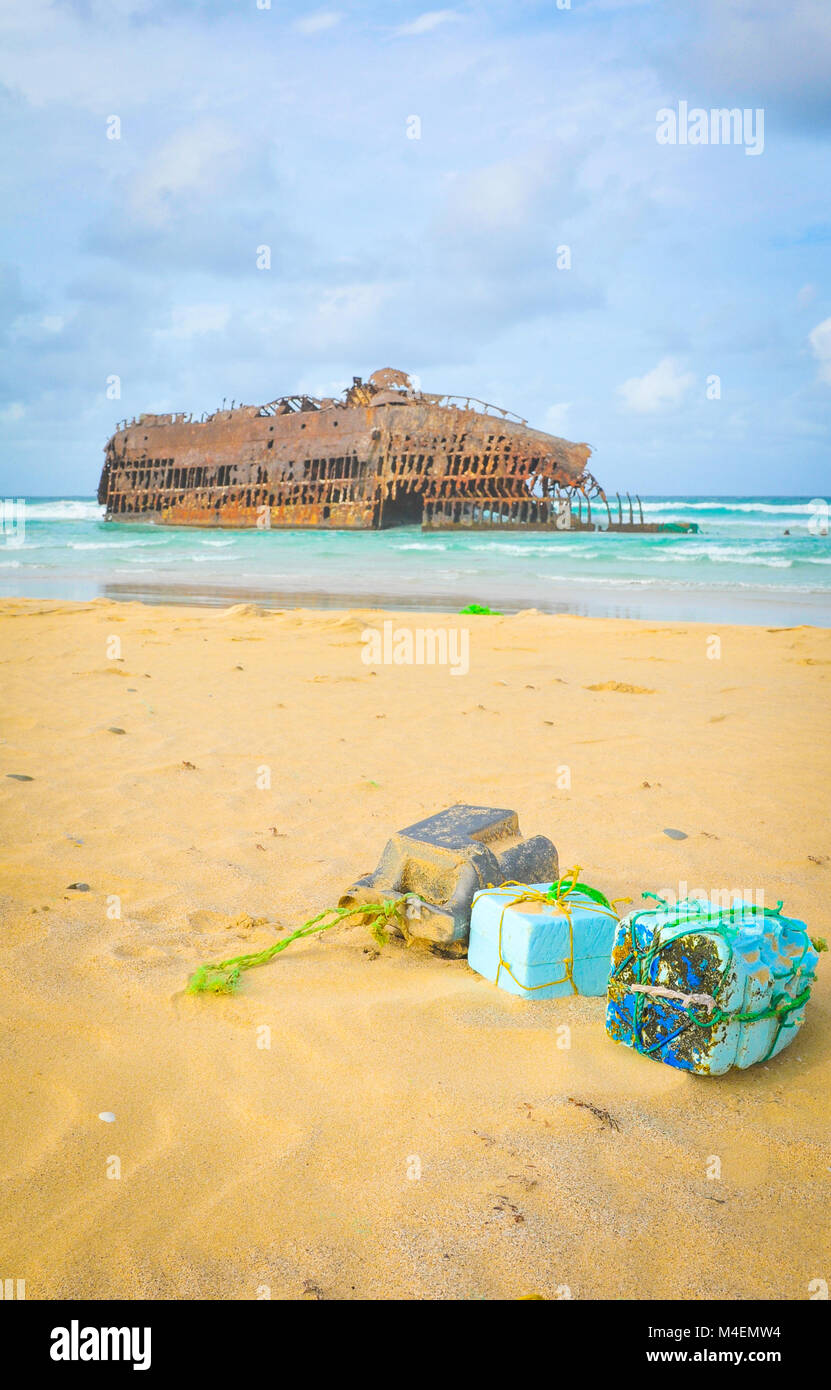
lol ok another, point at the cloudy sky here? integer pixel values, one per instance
(475, 194)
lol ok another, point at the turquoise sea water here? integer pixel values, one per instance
(741, 567)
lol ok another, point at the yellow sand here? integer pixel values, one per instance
(294, 1169)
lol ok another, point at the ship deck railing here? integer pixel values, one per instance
(469, 402)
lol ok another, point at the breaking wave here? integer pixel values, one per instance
(737, 551)
(788, 506)
(62, 509)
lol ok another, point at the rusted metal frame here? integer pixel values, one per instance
(483, 469)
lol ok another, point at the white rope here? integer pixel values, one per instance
(674, 994)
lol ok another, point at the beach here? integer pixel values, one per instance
(364, 1122)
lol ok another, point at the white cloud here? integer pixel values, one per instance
(12, 412)
(556, 417)
(497, 197)
(349, 312)
(193, 160)
(318, 23)
(665, 385)
(806, 296)
(192, 320)
(427, 22)
(52, 323)
(820, 340)
(765, 47)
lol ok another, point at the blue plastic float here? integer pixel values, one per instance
(542, 940)
(706, 988)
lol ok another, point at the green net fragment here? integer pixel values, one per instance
(223, 977)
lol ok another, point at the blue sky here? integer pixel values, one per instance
(290, 127)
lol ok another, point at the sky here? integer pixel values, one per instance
(230, 199)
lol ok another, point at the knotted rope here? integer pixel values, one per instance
(556, 896)
(781, 1004)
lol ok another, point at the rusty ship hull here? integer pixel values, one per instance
(385, 454)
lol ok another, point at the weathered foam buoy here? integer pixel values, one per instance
(443, 860)
(542, 940)
(706, 988)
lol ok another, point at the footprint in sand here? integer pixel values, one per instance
(44, 1113)
(622, 688)
(213, 935)
(217, 923)
(140, 952)
(23, 931)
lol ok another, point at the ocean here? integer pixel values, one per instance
(755, 560)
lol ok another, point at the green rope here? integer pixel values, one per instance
(738, 907)
(781, 1005)
(222, 977)
(584, 888)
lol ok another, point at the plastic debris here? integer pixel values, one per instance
(543, 940)
(443, 860)
(705, 988)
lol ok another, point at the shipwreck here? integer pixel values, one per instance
(383, 454)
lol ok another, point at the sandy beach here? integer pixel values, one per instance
(411, 1131)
